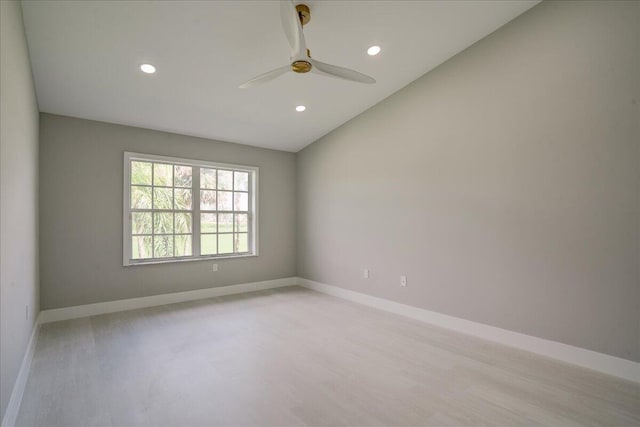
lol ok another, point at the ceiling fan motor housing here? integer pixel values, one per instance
(301, 66)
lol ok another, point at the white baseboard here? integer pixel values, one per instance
(607, 364)
(78, 311)
(13, 407)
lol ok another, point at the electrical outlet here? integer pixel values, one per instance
(403, 281)
(214, 268)
(365, 273)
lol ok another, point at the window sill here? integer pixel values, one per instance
(174, 260)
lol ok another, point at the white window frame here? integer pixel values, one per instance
(252, 244)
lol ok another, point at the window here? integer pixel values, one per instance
(179, 209)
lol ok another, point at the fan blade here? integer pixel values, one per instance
(339, 72)
(293, 29)
(263, 78)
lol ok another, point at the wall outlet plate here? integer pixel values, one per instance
(403, 281)
(214, 267)
(365, 273)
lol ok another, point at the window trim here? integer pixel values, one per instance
(126, 208)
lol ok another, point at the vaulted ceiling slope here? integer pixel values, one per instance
(86, 58)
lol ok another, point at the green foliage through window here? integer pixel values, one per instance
(163, 210)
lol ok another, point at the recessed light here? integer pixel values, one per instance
(373, 50)
(300, 108)
(148, 68)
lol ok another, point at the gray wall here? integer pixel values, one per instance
(81, 180)
(18, 198)
(504, 184)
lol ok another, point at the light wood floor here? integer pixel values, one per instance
(293, 357)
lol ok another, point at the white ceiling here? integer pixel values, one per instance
(86, 56)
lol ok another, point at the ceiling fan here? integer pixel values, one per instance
(293, 17)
